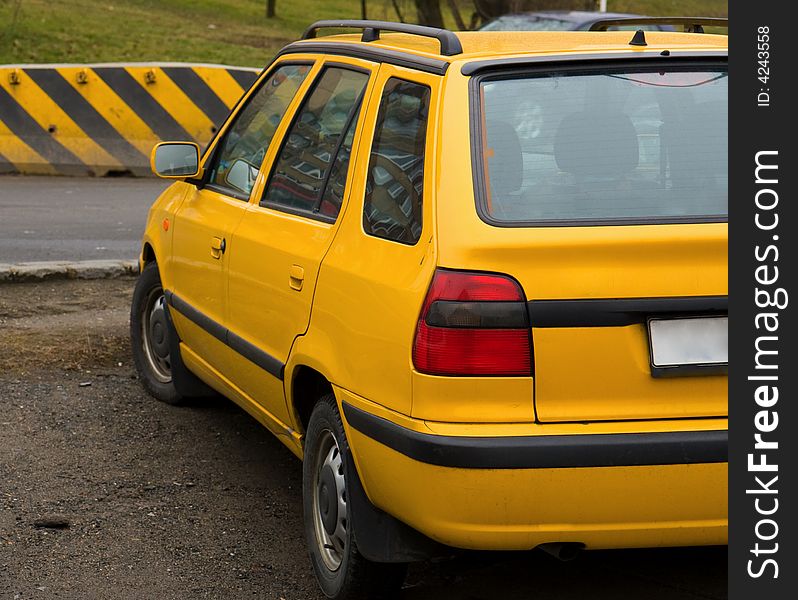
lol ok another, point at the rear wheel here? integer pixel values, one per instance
(149, 336)
(340, 569)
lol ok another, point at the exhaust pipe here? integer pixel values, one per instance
(563, 551)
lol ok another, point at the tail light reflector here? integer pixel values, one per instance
(473, 324)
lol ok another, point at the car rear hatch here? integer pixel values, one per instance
(604, 194)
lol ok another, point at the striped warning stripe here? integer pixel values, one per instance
(101, 119)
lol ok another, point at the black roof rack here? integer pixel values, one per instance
(690, 24)
(450, 44)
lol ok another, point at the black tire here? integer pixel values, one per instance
(355, 578)
(150, 345)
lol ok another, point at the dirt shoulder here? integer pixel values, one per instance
(75, 325)
(161, 502)
(200, 501)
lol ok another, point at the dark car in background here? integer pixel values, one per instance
(562, 20)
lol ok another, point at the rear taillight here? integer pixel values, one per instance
(473, 324)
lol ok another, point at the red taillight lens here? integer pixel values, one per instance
(473, 324)
(463, 286)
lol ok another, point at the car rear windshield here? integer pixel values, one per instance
(633, 145)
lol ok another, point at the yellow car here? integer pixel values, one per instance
(477, 282)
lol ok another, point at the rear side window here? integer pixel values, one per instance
(241, 152)
(315, 153)
(632, 145)
(393, 202)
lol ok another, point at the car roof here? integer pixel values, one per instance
(481, 45)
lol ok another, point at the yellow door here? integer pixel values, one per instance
(202, 230)
(209, 214)
(278, 247)
(373, 280)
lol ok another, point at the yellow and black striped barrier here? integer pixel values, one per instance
(104, 119)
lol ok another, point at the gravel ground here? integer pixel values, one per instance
(136, 500)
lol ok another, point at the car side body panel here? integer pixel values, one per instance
(370, 290)
(158, 229)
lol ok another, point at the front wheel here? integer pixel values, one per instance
(149, 336)
(342, 572)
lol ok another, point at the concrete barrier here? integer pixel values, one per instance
(104, 119)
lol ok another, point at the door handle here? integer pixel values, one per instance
(218, 246)
(296, 277)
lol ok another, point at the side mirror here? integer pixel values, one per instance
(175, 160)
(241, 175)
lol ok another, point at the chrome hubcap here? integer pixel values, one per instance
(329, 502)
(155, 336)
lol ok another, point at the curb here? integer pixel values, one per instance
(85, 269)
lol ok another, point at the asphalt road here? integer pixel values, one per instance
(201, 501)
(65, 218)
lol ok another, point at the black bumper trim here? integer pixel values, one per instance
(249, 351)
(545, 451)
(617, 312)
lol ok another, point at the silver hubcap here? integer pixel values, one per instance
(155, 336)
(329, 502)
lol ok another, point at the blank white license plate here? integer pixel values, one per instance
(689, 341)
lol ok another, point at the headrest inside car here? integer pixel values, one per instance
(596, 145)
(504, 158)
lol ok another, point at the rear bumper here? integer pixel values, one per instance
(607, 490)
(544, 451)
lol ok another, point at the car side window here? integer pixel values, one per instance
(333, 195)
(395, 179)
(241, 152)
(310, 172)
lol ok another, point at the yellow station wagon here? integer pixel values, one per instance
(476, 281)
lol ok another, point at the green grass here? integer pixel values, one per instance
(218, 31)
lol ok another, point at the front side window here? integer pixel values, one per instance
(244, 146)
(630, 145)
(310, 172)
(395, 181)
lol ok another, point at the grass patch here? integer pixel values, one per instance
(26, 352)
(216, 31)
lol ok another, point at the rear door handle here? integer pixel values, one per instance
(296, 277)
(218, 246)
